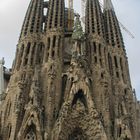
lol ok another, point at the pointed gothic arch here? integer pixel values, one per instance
(124, 132)
(77, 134)
(31, 126)
(79, 96)
(26, 56)
(75, 121)
(30, 133)
(77, 128)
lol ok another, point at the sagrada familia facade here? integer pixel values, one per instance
(67, 84)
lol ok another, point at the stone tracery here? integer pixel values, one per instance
(30, 136)
(77, 134)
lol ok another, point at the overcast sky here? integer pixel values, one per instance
(12, 14)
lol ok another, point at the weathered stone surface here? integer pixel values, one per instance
(70, 86)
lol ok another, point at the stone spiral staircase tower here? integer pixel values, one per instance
(70, 85)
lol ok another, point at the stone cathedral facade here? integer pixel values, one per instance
(67, 84)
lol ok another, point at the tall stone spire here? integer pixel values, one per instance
(53, 59)
(55, 15)
(108, 5)
(54, 29)
(114, 39)
(112, 28)
(94, 29)
(94, 19)
(33, 19)
(28, 50)
(118, 67)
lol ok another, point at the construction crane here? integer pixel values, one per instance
(83, 5)
(125, 29)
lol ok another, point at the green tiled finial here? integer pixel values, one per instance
(78, 33)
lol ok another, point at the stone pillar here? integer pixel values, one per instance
(1, 77)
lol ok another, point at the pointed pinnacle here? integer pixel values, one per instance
(108, 5)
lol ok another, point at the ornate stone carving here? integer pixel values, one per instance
(83, 104)
(52, 70)
(30, 136)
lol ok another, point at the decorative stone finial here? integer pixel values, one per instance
(78, 33)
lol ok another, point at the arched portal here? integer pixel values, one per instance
(77, 134)
(79, 96)
(126, 138)
(30, 133)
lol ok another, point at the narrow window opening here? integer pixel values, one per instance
(54, 40)
(41, 52)
(64, 82)
(95, 59)
(102, 75)
(28, 48)
(32, 56)
(101, 62)
(59, 43)
(79, 96)
(125, 91)
(110, 64)
(100, 49)
(53, 54)
(120, 131)
(22, 50)
(43, 26)
(9, 109)
(27, 53)
(121, 65)
(48, 43)
(117, 74)
(45, 11)
(116, 63)
(9, 131)
(94, 45)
